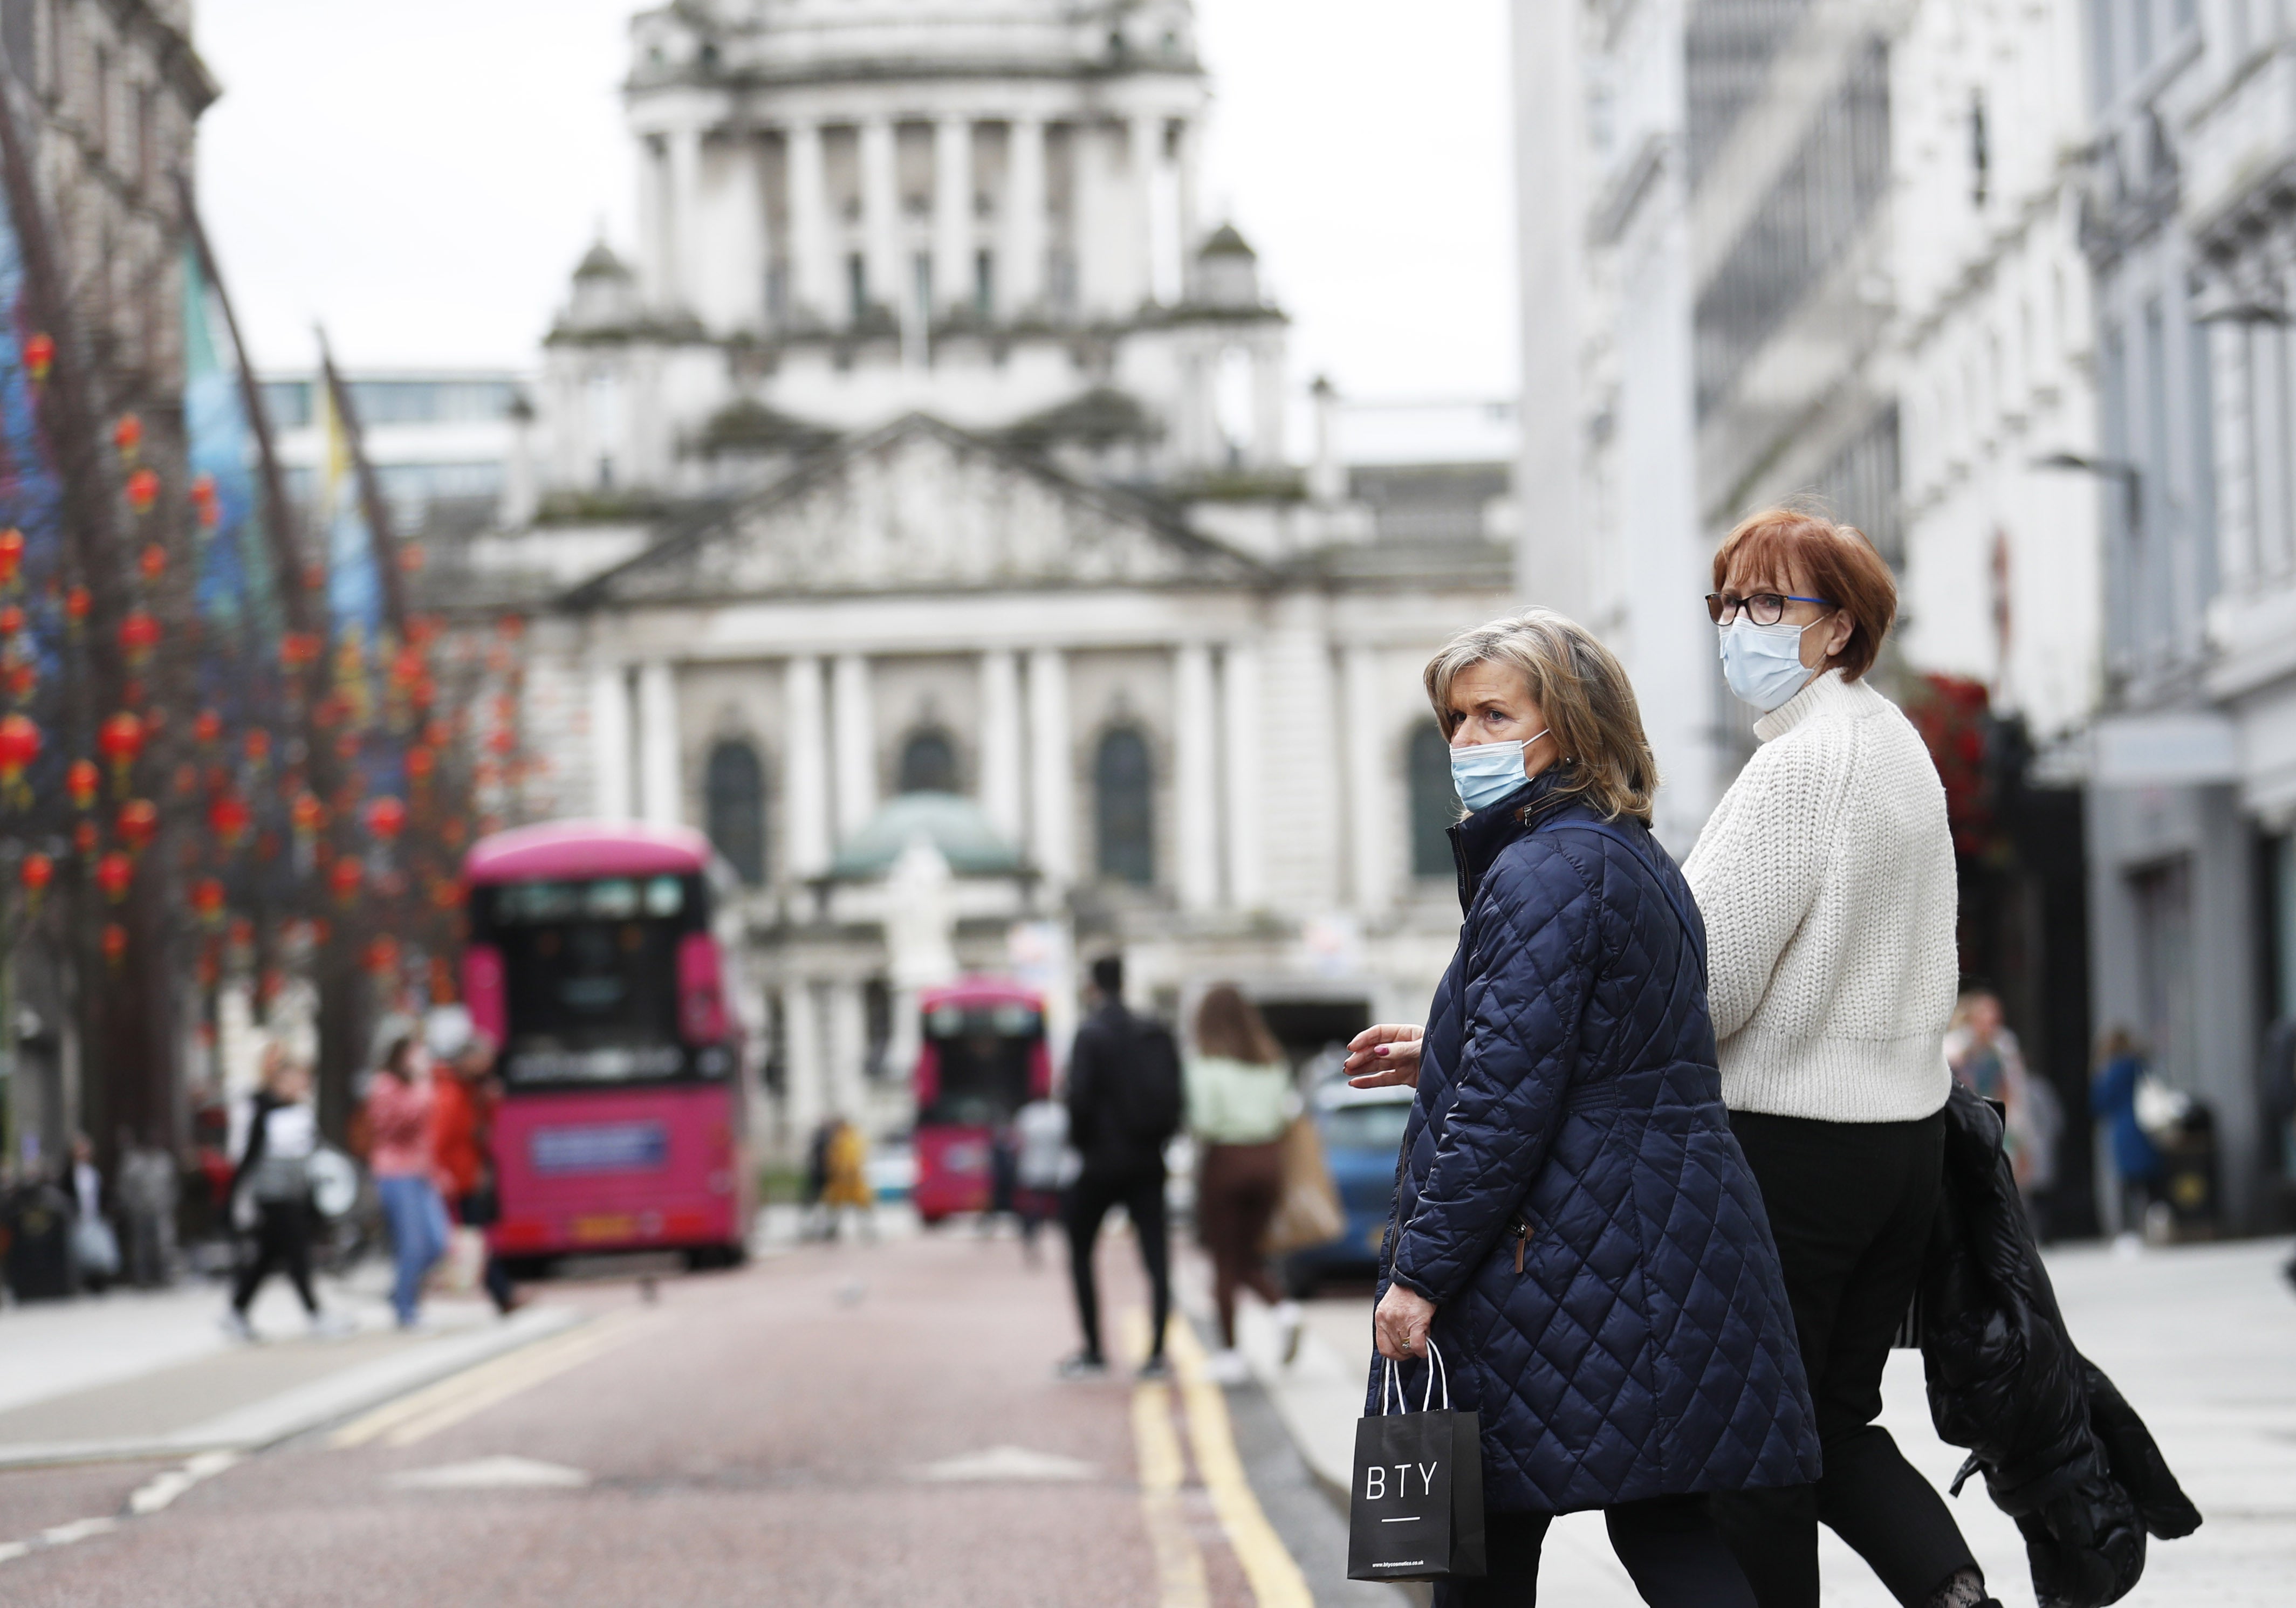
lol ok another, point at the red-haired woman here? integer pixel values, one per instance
(1239, 1100)
(1825, 875)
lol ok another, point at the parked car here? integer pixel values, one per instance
(1362, 1130)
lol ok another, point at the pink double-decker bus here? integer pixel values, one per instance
(592, 963)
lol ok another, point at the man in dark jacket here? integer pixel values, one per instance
(1124, 1104)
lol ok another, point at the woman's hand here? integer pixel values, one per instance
(1383, 1056)
(1401, 1322)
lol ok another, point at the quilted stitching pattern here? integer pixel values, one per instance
(1646, 1348)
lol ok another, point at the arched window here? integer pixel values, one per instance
(733, 792)
(1123, 808)
(928, 764)
(1434, 803)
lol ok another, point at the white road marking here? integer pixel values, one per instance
(1011, 1465)
(493, 1473)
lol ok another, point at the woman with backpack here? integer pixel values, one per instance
(271, 1187)
(1575, 1230)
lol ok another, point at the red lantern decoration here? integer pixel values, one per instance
(421, 762)
(382, 954)
(152, 560)
(207, 900)
(128, 435)
(139, 633)
(299, 649)
(39, 355)
(242, 932)
(85, 837)
(119, 740)
(138, 824)
(11, 555)
(257, 746)
(207, 727)
(113, 874)
(77, 603)
(510, 627)
(12, 620)
(228, 818)
(80, 779)
(35, 873)
(410, 558)
(386, 817)
(144, 489)
(307, 815)
(115, 942)
(205, 503)
(20, 745)
(345, 876)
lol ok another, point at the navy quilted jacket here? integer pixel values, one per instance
(1567, 1082)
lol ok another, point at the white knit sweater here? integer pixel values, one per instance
(1826, 879)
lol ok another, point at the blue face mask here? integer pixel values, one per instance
(1763, 663)
(1487, 772)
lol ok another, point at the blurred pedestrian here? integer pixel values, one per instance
(1239, 1100)
(2137, 1161)
(816, 1177)
(845, 1180)
(461, 1138)
(1125, 1100)
(1567, 1089)
(150, 1192)
(95, 1242)
(1043, 1166)
(1825, 875)
(400, 1155)
(1984, 1057)
(270, 1192)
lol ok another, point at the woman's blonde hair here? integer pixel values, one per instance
(1583, 690)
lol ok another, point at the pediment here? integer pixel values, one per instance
(919, 505)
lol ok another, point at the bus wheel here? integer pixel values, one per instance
(702, 1259)
(526, 1270)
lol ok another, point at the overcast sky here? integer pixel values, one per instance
(421, 177)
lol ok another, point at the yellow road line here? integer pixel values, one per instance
(1269, 1565)
(1179, 1563)
(425, 1412)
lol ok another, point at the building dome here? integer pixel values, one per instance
(950, 822)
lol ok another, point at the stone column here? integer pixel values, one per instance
(681, 218)
(813, 276)
(952, 270)
(853, 739)
(880, 212)
(1052, 797)
(1021, 255)
(848, 1043)
(1241, 734)
(611, 793)
(805, 769)
(661, 800)
(1371, 783)
(1004, 768)
(804, 1086)
(1196, 780)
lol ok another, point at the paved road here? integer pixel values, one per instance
(869, 1424)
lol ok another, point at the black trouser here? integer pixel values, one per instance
(1851, 1205)
(1142, 1196)
(1668, 1544)
(283, 1242)
(477, 1209)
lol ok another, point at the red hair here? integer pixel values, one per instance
(1793, 548)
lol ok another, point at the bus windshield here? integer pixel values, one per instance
(590, 976)
(984, 1053)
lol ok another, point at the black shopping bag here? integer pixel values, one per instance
(1415, 1512)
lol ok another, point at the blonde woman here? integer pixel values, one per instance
(1239, 1100)
(1575, 1229)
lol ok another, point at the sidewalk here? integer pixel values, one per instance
(138, 1374)
(2200, 1339)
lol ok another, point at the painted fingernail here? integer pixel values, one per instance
(1380, 1051)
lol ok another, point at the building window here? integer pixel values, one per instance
(1123, 807)
(984, 283)
(928, 764)
(1981, 152)
(777, 293)
(2163, 896)
(921, 287)
(857, 286)
(734, 797)
(1434, 803)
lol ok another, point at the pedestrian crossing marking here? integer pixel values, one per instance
(425, 1412)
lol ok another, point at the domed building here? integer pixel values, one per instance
(923, 479)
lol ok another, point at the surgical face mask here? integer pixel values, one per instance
(1488, 771)
(1763, 663)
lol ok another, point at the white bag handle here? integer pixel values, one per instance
(1387, 1380)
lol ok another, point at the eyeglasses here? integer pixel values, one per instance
(1763, 608)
